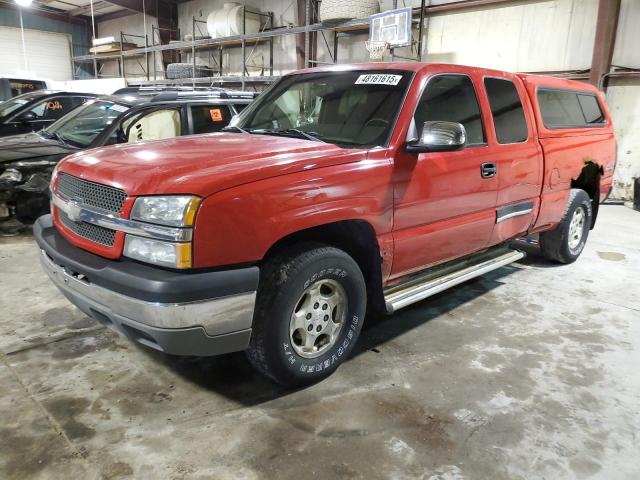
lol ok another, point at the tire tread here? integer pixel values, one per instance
(552, 242)
(273, 274)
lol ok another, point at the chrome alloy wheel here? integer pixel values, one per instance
(317, 318)
(576, 228)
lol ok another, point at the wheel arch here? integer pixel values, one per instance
(357, 238)
(589, 181)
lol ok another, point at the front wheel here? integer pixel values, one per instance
(566, 242)
(309, 313)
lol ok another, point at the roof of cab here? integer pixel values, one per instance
(529, 79)
(545, 81)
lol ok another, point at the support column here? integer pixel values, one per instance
(606, 26)
(300, 18)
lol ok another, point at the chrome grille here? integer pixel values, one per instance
(97, 234)
(90, 193)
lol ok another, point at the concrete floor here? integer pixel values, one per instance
(530, 372)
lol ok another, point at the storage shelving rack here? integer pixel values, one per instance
(118, 56)
(267, 34)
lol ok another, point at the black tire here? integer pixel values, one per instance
(560, 244)
(283, 281)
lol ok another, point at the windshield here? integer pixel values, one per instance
(352, 108)
(16, 102)
(82, 125)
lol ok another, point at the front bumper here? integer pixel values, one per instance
(182, 313)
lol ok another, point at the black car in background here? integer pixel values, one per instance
(36, 110)
(26, 161)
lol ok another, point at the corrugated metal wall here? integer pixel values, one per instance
(79, 34)
(80, 37)
(552, 35)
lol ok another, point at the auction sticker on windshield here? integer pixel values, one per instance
(119, 108)
(378, 79)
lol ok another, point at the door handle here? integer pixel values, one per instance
(488, 170)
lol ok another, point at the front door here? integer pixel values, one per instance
(445, 202)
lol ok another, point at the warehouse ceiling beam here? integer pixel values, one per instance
(46, 12)
(132, 6)
(86, 9)
(606, 27)
(466, 5)
(113, 15)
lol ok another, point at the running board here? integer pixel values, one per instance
(446, 276)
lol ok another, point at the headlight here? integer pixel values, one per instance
(174, 210)
(11, 175)
(165, 254)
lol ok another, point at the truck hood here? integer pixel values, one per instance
(202, 164)
(31, 146)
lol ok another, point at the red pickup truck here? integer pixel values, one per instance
(339, 190)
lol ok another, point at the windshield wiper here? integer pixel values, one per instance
(232, 128)
(55, 136)
(313, 136)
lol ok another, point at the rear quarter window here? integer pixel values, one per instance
(569, 109)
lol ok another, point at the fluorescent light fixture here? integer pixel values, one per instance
(24, 3)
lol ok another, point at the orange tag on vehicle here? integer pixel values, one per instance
(216, 114)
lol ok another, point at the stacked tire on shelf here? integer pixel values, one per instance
(185, 70)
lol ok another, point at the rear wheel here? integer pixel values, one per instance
(566, 242)
(309, 313)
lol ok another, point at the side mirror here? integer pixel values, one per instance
(26, 117)
(438, 136)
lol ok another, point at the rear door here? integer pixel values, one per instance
(516, 153)
(444, 207)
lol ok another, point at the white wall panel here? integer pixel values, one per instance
(48, 53)
(627, 48)
(131, 24)
(541, 36)
(623, 99)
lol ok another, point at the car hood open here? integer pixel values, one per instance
(31, 146)
(203, 164)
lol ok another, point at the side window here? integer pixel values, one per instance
(53, 108)
(77, 101)
(567, 109)
(38, 109)
(210, 118)
(155, 125)
(452, 98)
(591, 109)
(507, 111)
